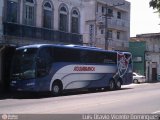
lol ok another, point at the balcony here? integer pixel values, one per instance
(118, 24)
(113, 23)
(24, 31)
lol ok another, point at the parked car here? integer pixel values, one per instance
(137, 78)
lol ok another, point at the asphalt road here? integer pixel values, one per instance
(134, 98)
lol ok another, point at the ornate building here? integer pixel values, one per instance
(42, 21)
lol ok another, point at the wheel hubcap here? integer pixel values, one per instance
(111, 85)
(135, 81)
(118, 84)
(56, 89)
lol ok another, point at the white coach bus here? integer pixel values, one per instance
(55, 68)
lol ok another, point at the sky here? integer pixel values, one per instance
(143, 18)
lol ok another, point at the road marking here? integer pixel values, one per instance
(156, 112)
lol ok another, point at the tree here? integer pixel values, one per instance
(155, 4)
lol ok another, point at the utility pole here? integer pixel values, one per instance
(106, 28)
(106, 23)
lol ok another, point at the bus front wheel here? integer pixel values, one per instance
(56, 89)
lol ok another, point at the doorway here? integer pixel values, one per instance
(7, 56)
(154, 71)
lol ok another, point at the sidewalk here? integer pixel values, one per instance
(136, 84)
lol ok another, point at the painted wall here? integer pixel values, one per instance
(138, 54)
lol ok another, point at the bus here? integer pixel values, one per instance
(58, 68)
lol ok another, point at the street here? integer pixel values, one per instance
(134, 98)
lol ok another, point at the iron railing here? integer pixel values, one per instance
(19, 30)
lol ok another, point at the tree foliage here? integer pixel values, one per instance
(155, 4)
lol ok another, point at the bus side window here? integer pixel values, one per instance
(110, 58)
(66, 55)
(44, 62)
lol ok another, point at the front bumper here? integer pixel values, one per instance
(24, 85)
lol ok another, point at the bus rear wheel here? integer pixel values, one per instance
(56, 89)
(118, 84)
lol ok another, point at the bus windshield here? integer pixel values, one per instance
(24, 64)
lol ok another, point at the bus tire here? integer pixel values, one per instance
(112, 84)
(118, 84)
(56, 89)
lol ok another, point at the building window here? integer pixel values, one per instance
(119, 15)
(110, 12)
(29, 12)
(63, 16)
(75, 22)
(12, 11)
(110, 34)
(102, 31)
(137, 59)
(103, 9)
(118, 35)
(97, 7)
(91, 33)
(47, 15)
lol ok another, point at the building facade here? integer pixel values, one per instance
(151, 55)
(107, 24)
(42, 21)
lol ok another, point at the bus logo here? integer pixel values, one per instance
(83, 68)
(122, 63)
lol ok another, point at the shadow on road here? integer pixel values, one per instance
(24, 95)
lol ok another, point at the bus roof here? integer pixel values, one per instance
(70, 46)
(32, 46)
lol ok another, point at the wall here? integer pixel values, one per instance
(88, 18)
(138, 50)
